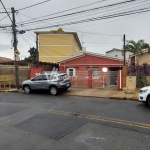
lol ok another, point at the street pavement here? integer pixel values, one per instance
(40, 121)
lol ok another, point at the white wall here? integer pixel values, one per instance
(119, 54)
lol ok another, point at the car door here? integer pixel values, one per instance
(45, 82)
(36, 83)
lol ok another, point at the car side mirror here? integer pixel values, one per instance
(32, 79)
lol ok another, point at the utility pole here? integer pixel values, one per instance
(124, 40)
(15, 42)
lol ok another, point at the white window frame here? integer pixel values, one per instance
(74, 72)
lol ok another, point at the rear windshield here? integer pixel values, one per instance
(64, 77)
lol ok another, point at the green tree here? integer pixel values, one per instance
(33, 54)
(137, 47)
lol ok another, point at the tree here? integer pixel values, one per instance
(33, 54)
(137, 48)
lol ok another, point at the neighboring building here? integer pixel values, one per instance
(57, 45)
(4, 59)
(77, 65)
(119, 53)
(141, 58)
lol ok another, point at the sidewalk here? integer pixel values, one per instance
(109, 93)
(103, 93)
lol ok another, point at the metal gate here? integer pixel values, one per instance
(112, 77)
(80, 79)
(99, 79)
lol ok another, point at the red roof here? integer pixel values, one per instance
(3, 59)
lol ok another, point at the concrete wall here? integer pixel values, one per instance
(24, 73)
(131, 82)
(53, 48)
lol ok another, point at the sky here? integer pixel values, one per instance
(97, 35)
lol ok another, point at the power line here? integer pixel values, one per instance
(97, 13)
(3, 18)
(104, 22)
(26, 40)
(96, 18)
(99, 43)
(128, 1)
(106, 10)
(93, 32)
(67, 10)
(25, 27)
(32, 19)
(33, 5)
(6, 10)
(2, 12)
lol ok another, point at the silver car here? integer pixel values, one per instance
(52, 82)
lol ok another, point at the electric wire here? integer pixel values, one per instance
(67, 10)
(33, 5)
(128, 1)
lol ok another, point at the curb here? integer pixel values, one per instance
(14, 90)
(124, 98)
(118, 98)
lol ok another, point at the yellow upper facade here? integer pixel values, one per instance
(144, 58)
(55, 46)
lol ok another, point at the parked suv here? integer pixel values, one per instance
(144, 95)
(51, 82)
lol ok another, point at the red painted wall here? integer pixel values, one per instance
(33, 71)
(89, 61)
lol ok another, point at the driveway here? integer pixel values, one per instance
(43, 122)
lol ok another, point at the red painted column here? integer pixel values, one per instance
(119, 80)
(90, 72)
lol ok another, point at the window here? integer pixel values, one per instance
(71, 72)
(38, 78)
(45, 77)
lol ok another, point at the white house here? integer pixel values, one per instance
(119, 53)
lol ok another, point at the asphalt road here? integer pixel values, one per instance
(45, 122)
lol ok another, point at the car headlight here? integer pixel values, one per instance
(143, 91)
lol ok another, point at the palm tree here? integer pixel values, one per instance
(137, 48)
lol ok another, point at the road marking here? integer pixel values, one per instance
(105, 119)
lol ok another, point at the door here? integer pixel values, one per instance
(112, 77)
(46, 79)
(36, 83)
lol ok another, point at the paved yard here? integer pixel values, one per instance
(45, 122)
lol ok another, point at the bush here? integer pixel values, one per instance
(142, 81)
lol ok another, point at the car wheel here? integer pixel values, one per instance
(27, 89)
(53, 90)
(148, 102)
